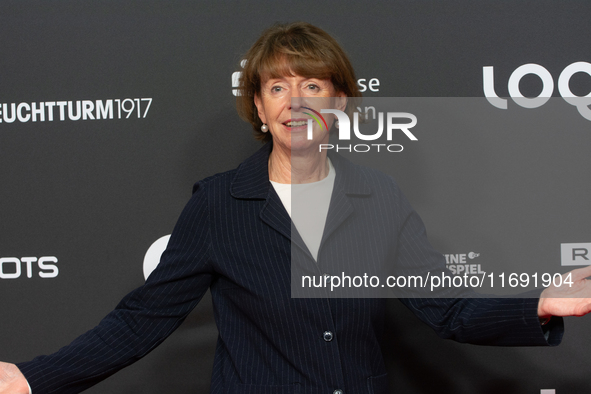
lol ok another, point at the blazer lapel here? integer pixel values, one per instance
(275, 215)
(252, 182)
(348, 182)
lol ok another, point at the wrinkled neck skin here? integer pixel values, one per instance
(295, 167)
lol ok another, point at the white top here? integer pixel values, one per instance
(307, 205)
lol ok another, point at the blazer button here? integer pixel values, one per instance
(328, 337)
(338, 391)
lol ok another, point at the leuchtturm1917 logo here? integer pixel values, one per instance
(75, 110)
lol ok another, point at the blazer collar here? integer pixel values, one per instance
(348, 179)
(252, 182)
(252, 176)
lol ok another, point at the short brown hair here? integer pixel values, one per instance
(299, 48)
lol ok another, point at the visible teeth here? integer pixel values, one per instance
(298, 123)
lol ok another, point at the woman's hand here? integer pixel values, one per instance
(573, 300)
(12, 381)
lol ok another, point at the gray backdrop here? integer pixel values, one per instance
(96, 193)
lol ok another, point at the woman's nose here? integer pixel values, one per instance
(296, 102)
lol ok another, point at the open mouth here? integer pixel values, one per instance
(296, 123)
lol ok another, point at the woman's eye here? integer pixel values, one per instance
(313, 87)
(276, 89)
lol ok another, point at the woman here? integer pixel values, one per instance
(234, 237)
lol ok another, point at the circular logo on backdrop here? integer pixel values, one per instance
(152, 257)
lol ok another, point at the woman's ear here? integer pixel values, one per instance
(341, 101)
(260, 108)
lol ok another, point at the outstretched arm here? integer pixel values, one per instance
(141, 321)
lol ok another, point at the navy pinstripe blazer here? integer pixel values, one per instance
(234, 237)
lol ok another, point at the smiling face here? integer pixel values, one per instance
(291, 50)
(281, 106)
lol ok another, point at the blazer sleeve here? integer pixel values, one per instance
(143, 318)
(468, 317)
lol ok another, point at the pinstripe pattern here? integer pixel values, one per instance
(234, 237)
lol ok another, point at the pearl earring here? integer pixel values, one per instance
(264, 128)
(336, 124)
